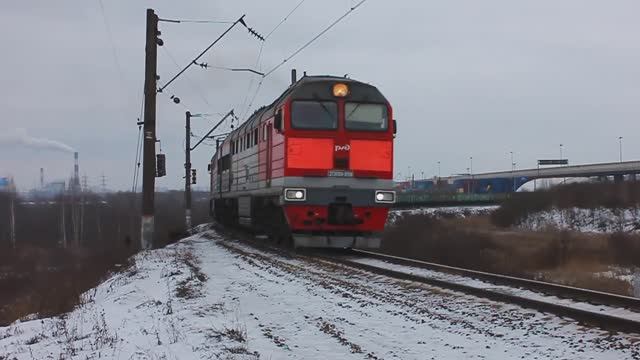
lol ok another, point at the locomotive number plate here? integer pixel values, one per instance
(340, 173)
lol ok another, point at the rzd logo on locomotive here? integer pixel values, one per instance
(346, 147)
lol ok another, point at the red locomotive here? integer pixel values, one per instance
(313, 169)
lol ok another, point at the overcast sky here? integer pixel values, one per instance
(465, 78)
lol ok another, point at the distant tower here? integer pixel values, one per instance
(76, 172)
(103, 183)
(41, 178)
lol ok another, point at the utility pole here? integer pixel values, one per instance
(12, 218)
(187, 171)
(149, 147)
(189, 178)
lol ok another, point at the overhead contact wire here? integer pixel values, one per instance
(314, 38)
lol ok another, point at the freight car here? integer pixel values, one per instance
(313, 169)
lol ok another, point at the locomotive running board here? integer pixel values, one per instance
(334, 241)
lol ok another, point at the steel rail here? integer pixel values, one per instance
(600, 319)
(593, 297)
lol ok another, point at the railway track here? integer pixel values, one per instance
(608, 311)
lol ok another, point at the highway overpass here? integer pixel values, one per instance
(504, 182)
(586, 170)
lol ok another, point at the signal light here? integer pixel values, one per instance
(193, 176)
(161, 169)
(340, 90)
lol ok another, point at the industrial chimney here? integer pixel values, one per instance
(41, 178)
(76, 172)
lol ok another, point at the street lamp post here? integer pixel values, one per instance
(564, 180)
(620, 143)
(438, 170)
(471, 172)
(513, 165)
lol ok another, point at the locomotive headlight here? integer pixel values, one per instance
(385, 196)
(340, 90)
(295, 194)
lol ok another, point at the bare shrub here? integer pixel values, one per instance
(40, 277)
(437, 240)
(581, 195)
(625, 248)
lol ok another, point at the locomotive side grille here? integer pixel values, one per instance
(341, 163)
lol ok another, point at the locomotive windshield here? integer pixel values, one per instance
(367, 117)
(317, 115)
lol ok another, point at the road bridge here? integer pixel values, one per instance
(493, 185)
(586, 170)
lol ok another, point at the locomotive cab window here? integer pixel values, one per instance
(366, 117)
(314, 115)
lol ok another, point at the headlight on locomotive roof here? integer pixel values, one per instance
(340, 90)
(388, 197)
(295, 194)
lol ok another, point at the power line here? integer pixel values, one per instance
(112, 43)
(178, 21)
(240, 20)
(314, 38)
(285, 18)
(259, 66)
(136, 165)
(193, 84)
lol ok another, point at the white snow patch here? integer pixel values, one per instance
(243, 303)
(444, 211)
(599, 220)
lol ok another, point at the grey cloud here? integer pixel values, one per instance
(465, 78)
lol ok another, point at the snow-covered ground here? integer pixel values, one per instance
(206, 297)
(443, 211)
(599, 220)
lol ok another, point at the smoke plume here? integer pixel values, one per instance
(21, 138)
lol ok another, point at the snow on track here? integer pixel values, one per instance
(505, 289)
(205, 297)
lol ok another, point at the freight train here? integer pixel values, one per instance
(312, 169)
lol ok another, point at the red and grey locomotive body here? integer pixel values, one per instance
(314, 167)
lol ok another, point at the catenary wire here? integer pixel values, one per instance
(259, 66)
(314, 38)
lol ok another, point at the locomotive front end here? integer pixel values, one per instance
(338, 163)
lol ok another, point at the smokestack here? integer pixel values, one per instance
(293, 76)
(76, 171)
(41, 178)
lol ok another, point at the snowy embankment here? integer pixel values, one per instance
(600, 220)
(443, 212)
(206, 297)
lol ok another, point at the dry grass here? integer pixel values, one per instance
(49, 283)
(585, 274)
(475, 243)
(581, 195)
(39, 277)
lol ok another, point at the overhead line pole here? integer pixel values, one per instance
(187, 171)
(149, 147)
(187, 161)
